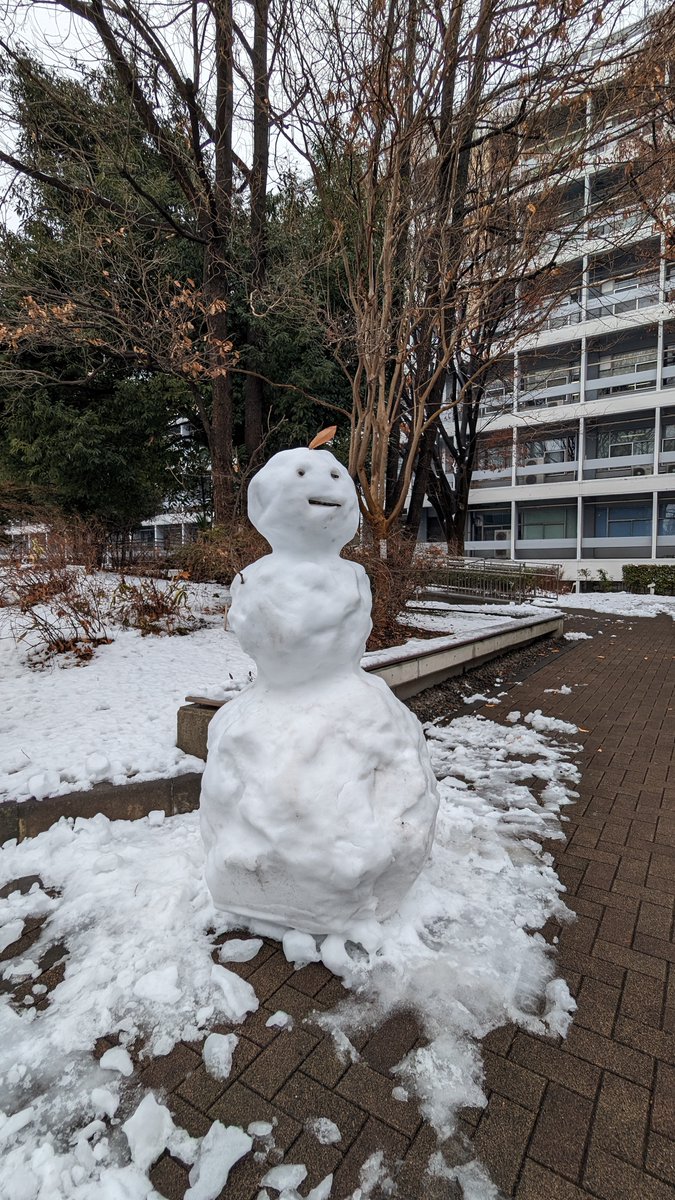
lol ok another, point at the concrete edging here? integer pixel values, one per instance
(406, 671)
(120, 802)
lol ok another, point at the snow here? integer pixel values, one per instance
(148, 1132)
(117, 1059)
(318, 800)
(279, 1020)
(220, 1149)
(578, 637)
(288, 1175)
(240, 950)
(620, 604)
(237, 996)
(326, 1132)
(460, 953)
(64, 728)
(217, 1054)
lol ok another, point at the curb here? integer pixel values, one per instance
(125, 802)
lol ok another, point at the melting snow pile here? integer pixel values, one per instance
(136, 921)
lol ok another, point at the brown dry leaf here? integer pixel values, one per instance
(325, 435)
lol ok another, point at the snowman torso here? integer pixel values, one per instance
(318, 801)
(299, 618)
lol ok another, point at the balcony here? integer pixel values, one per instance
(619, 466)
(547, 389)
(546, 471)
(570, 314)
(490, 478)
(667, 456)
(497, 547)
(633, 296)
(616, 547)
(496, 400)
(630, 372)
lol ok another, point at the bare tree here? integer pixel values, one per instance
(440, 139)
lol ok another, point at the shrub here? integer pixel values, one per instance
(218, 554)
(393, 581)
(637, 578)
(153, 606)
(61, 608)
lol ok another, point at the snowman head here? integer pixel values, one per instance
(304, 501)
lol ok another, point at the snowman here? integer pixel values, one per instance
(318, 801)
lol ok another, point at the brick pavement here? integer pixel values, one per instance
(591, 1116)
(594, 1115)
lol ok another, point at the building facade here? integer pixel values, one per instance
(576, 459)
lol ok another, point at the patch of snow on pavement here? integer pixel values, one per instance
(619, 604)
(460, 952)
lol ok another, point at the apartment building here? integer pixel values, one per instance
(576, 458)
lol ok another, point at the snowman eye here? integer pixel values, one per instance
(300, 471)
(335, 474)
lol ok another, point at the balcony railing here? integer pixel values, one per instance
(620, 466)
(549, 391)
(628, 300)
(626, 375)
(497, 477)
(546, 472)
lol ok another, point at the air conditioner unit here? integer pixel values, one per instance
(503, 535)
(670, 469)
(640, 471)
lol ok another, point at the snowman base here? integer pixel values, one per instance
(318, 804)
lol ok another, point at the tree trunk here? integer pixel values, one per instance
(254, 393)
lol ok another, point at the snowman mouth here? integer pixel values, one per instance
(325, 503)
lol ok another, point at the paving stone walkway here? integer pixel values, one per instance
(594, 1114)
(589, 1116)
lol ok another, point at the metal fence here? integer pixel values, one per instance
(491, 580)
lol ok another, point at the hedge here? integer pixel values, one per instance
(637, 578)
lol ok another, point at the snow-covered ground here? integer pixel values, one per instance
(619, 604)
(67, 726)
(128, 902)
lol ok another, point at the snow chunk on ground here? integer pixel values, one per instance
(240, 949)
(260, 1129)
(159, 987)
(549, 724)
(578, 637)
(220, 1149)
(237, 997)
(279, 1020)
(148, 1131)
(117, 1059)
(300, 948)
(217, 1054)
(288, 1175)
(326, 1132)
(11, 932)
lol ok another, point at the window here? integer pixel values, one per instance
(486, 525)
(619, 441)
(622, 520)
(666, 526)
(557, 521)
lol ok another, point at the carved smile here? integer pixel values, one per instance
(326, 503)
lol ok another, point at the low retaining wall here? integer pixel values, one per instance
(407, 671)
(120, 802)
